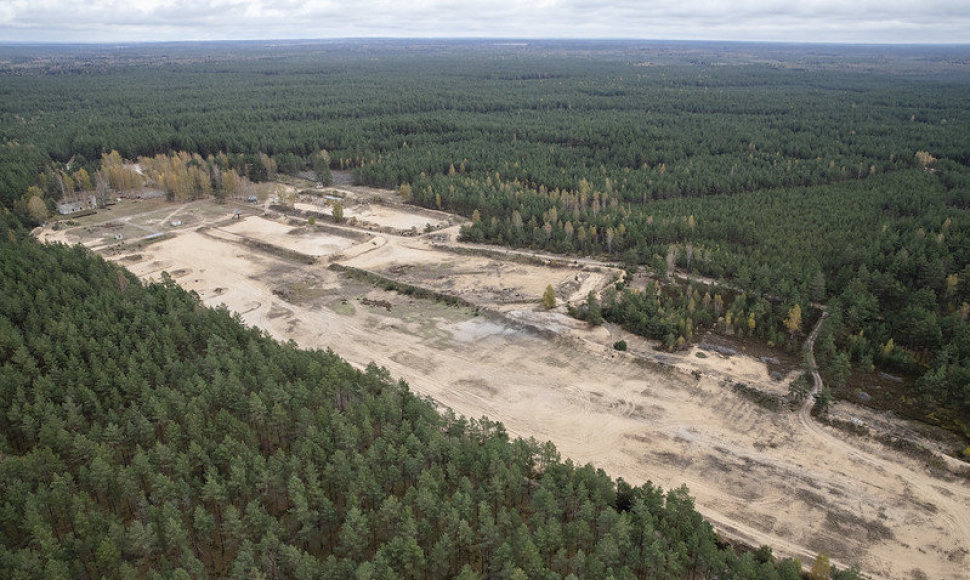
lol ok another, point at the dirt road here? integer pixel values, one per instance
(806, 408)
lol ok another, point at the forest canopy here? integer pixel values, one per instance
(805, 176)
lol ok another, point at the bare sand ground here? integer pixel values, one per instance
(379, 215)
(764, 477)
(290, 237)
(484, 280)
(380, 208)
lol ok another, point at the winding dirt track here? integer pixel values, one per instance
(955, 512)
(806, 409)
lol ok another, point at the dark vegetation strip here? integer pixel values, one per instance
(769, 401)
(280, 252)
(906, 446)
(148, 240)
(403, 288)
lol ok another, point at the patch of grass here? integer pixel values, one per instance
(850, 525)
(342, 307)
(760, 398)
(300, 291)
(937, 467)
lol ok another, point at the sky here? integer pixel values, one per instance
(846, 21)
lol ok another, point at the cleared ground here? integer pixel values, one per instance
(484, 279)
(378, 215)
(371, 208)
(302, 240)
(765, 477)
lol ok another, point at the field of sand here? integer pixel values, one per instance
(763, 477)
(378, 215)
(486, 279)
(289, 237)
(370, 207)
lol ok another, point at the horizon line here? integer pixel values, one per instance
(41, 43)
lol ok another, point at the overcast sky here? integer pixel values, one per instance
(856, 21)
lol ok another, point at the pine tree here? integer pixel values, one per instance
(549, 298)
(594, 313)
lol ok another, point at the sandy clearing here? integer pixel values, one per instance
(313, 243)
(134, 219)
(483, 280)
(760, 476)
(379, 215)
(588, 282)
(739, 368)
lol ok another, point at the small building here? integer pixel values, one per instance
(69, 207)
(176, 223)
(252, 199)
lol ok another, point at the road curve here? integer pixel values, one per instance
(817, 385)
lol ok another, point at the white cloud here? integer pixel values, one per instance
(945, 21)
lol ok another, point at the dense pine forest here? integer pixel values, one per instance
(799, 175)
(145, 435)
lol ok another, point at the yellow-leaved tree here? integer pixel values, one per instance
(794, 321)
(36, 208)
(821, 569)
